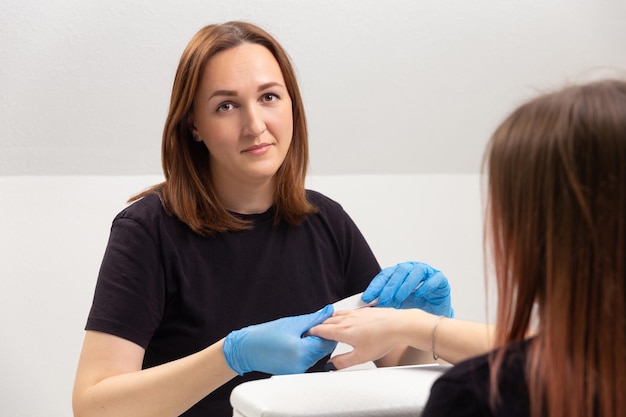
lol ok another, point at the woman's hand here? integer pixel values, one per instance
(411, 285)
(279, 346)
(372, 332)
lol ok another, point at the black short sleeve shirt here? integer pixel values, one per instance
(174, 292)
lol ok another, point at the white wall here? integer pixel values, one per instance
(391, 87)
(55, 228)
(401, 96)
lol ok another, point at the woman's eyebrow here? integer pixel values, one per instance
(217, 93)
(233, 93)
(269, 85)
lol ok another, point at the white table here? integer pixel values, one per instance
(389, 392)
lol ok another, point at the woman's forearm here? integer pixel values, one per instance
(453, 340)
(166, 390)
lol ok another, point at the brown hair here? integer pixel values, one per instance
(556, 229)
(187, 191)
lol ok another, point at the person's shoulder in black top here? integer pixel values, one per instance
(465, 389)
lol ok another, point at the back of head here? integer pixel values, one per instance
(557, 229)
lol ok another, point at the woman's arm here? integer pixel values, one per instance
(375, 332)
(110, 381)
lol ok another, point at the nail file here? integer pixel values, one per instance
(352, 303)
(355, 302)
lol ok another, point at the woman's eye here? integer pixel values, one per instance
(225, 107)
(269, 97)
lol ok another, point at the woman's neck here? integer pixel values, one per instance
(250, 198)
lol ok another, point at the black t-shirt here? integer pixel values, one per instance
(175, 292)
(463, 391)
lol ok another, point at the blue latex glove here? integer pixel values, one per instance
(395, 287)
(278, 347)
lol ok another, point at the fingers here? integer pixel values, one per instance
(419, 272)
(318, 317)
(339, 327)
(337, 315)
(326, 331)
(436, 287)
(324, 328)
(313, 319)
(345, 360)
(356, 356)
(324, 313)
(378, 283)
(403, 279)
(434, 296)
(395, 284)
(319, 346)
(411, 285)
(397, 277)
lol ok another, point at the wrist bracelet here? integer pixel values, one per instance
(434, 335)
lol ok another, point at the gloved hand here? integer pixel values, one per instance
(395, 287)
(278, 347)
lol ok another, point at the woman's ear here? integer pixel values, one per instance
(192, 128)
(191, 125)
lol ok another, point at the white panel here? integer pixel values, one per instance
(391, 87)
(384, 392)
(55, 229)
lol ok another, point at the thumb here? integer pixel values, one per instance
(313, 319)
(318, 346)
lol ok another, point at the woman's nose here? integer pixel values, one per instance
(253, 123)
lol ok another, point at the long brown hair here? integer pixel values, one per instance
(188, 190)
(556, 229)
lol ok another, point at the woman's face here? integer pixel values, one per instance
(243, 114)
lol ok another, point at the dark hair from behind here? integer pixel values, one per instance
(556, 230)
(187, 191)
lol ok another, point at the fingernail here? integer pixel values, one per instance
(330, 367)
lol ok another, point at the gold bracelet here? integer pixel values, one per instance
(433, 336)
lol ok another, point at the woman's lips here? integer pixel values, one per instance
(258, 149)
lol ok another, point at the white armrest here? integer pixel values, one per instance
(393, 391)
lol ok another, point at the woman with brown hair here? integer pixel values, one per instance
(556, 230)
(230, 239)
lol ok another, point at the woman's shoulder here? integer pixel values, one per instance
(467, 384)
(149, 212)
(476, 367)
(480, 366)
(323, 202)
(146, 207)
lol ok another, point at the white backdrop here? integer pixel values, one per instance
(391, 87)
(401, 96)
(55, 228)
